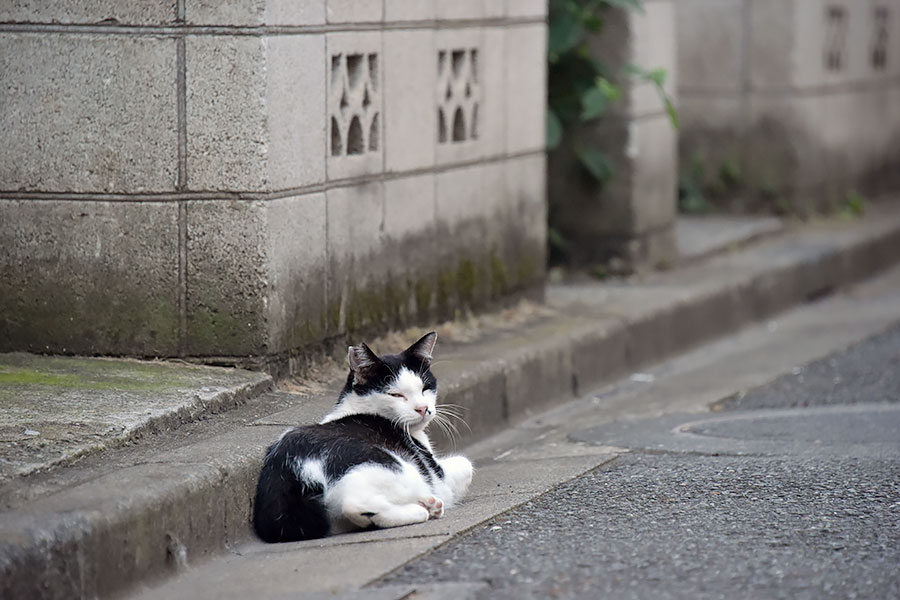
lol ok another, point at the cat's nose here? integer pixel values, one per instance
(422, 410)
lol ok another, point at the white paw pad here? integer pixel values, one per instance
(434, 506)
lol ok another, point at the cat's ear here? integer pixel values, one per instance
(423, 348)
(362, 362)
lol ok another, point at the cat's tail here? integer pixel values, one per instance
(288, 509)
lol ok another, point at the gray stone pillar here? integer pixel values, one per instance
(628, 223)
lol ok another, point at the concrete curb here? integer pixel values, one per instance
(99, 538)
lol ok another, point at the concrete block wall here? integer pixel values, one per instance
(629, 221)
(802, 95)
(244, 179)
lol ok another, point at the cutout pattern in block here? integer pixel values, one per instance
(835, 37)
(458, 95)
(880, 38)
(355, 104)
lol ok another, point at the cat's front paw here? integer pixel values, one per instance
(434, 506)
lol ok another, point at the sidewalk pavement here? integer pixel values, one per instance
(137, 513)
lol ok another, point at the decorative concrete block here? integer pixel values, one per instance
(291, 12)
(355, 235)
(710, 132)
(355, 63)
(409, 80)
(355, 219)
(409, 10)
(460, 9)
(526, 83)
(255, 12)
(654, 150)
(409, 206)
(290, 128)
(494, 9)
(227, 277)
(832, 42)
(860, 37)
(114, 12)
(526, 186)
(806, 151)
(654, 46)
(354, 11)
(492, 118)
(459, 196)
(296, 251)
(495, 199)
(886, 25)
(526, 8)
(358, 270)
(88, 277)
(777, 144)
(275, 133)
(516, 223)
(470, 231)
(227, 129)
(88, 113)
(412, 247)
(295, 101)
(711, 40)
(458, 94)
(642, 194)
(820, 49)
(771, 46)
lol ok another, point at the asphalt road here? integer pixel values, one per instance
(789, 491)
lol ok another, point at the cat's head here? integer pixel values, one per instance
(399, 387)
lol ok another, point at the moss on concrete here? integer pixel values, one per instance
(499, 279)
(43, 318)
(467, 278)
(424, 289)
(18, 377)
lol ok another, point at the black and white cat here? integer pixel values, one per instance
(368, 462)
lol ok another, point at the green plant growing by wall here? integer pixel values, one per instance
(701, 189)
(582, 87)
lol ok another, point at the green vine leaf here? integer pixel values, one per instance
(593, 103)
(596, 163)
(670, 110)
(565, 32)
(658, 78)
(596, 99)
(554, 130)
(636, 5)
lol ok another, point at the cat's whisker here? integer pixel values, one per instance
(455, 416)
(452, 425)
(455, 407)
(451, 433)
(449, 411)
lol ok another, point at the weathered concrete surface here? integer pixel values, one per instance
(697, 237)
(809, 512)
(536, 455)
(88, 277)
(592, 334)
(56, 409)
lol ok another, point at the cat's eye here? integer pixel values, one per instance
(396, 395)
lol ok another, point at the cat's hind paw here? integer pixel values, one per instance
(434, 506)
